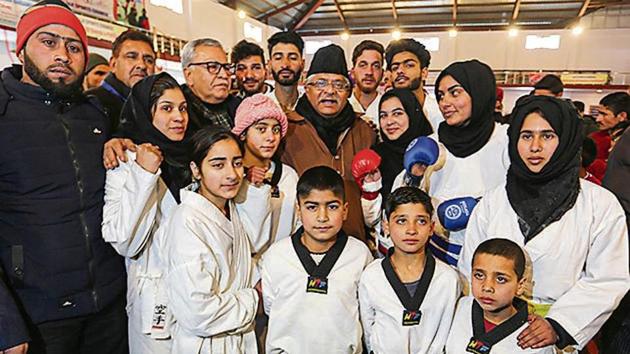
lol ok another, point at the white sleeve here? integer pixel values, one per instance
(452, 292)
(268, 290)
(372, 210)
(130, 207)
(584, 308)
(254, 209)
(475, 233)
(366, 311)
(192, 283)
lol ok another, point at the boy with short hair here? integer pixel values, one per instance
(407, 299)
(492, 319)
(310, 280)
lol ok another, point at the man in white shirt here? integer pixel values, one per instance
(408, 62)
(286, 63)
(367, 72)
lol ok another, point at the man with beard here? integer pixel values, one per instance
(408, 62)
(324, 130)
(67, 283)
(133, 59)
(249, 61)
(367, 71)
(286, 63)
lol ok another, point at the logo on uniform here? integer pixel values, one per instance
(411, 318)
(318, 285)
(477, 347)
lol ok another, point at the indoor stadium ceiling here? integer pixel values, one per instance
(324, 17)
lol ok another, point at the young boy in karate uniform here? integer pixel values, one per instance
(407, 300)
(491, 320)
(310, 280)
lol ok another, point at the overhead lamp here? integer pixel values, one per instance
(345, 35)
(396, 34)
(577, 30)
(513, 32)
(452, 32)
(242, 14)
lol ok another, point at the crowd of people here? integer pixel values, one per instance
(320, 214)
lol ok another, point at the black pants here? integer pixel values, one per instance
(103, 332)
(616, 332)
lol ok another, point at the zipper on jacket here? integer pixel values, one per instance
(80, 189)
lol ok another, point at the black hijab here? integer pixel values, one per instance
(328, 128)
(542, 198)
(479, 82)
(392, 151)
(137, 125)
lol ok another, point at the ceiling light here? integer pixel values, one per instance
(452, 33)
(396, 34)
(242, 14)
(577, 30)
(513, 32)
(345, 35)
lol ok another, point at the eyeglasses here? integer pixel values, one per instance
(338, 85)
(214, 67)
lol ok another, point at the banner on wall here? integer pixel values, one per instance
(131, 12)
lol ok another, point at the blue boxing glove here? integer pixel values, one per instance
(421, 150)
(454, 213)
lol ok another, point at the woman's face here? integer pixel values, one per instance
(393, 119)
(537, 142)
(455, 103)
(170, 114)
(221, 172)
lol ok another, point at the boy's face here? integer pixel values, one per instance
(494, 282)
(263, 138)
(410, 227)
(322, 214)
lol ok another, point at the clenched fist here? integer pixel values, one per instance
(149, 157)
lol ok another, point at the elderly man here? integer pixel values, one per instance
(133, 59)
(249, 62)
(286, 63)
(367, 71)
(324, 130)
(208, 81)
(408, 62)
(68, 283)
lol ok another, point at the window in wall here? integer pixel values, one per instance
(252, 31)
(542, 42)
(312, 46)
(431, 43)
(173, 5)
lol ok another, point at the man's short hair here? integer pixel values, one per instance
(408, 45)
(244, 49)
(407, 195)
(189, 49)
(287, 37)
(321, 178)
(617, 102)
(579, 105)
(367, 45)
(550, 82)
(130, 35)
(504, 248)
(589, 152)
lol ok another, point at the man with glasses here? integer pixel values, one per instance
(133, 59)
(249, 61)
(286, 62)
(408, 63)
(324, 130)
(208, 81)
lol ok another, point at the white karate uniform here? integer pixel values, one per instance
(208, 279)
(462, 332)
(432, 111)
(310, 323)
(471, 176)
(272, 95)
(369, 114)
(580, 262)
(381, 312)
(137, 203)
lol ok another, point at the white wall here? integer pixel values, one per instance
(594, 49)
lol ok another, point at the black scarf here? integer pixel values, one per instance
(393, 151)
(202, 114)
(137, 125)
(540, 199)
(479, 82)
(328, 128)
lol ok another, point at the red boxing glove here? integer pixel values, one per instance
(364, 162)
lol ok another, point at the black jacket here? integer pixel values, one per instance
(112, 95)
(51, 191)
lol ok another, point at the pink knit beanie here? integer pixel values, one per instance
(256, 108)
